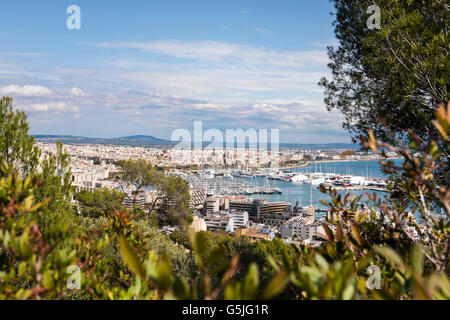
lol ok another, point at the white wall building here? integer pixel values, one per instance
(298, 228)
(228, 221)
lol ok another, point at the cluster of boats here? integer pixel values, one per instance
(317, 178)
(225, 182)
(330, 179)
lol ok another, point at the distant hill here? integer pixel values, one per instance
(135, 141)
(150, 141)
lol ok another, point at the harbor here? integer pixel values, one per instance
(296, 185)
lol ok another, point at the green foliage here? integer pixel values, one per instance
(53, 184)
(54, 187)
(399, 73)
(172, 201)
(122, 258)
(98, 202)
(28, 266)
(16, 145)
(137, 174)
(175, 201)
(121, 255)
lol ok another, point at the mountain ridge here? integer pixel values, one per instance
(151, 141)
(134, 140)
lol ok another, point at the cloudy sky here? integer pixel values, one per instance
(150, 67)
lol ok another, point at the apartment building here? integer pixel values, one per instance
(227, 221)
(298, 228)
(218, 222)
(276, 219)
(240, 218)
(256, 232)
(198, 224)
(257, 209)
(211, 205)
(197, 198)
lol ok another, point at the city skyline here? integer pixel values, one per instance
(156, 67)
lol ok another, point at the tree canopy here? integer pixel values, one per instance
(171, 202)
(16, 144)
(399, 72)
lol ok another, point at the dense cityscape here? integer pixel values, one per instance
(219, 199)
(234, 158)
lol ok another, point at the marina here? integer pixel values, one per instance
(296, 185)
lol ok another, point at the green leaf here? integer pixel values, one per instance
(251, 282)
(22, 268)
(349, 292)
(164, 272)
(276, 285)
(356, 234)
(417, 259)
(130, 258)
(181, 289)
(329, 233)
(47, 280)
(200, 243)
(390, 255)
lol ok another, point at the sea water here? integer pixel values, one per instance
(301, 193)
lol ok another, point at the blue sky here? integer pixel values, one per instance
(150, 67)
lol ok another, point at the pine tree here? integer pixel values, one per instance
(16, 144)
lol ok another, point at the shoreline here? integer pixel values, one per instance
(328, 161)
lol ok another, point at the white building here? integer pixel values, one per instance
(228, 221)
(240, 218)
(198, 224)
(219, 222)
(298, 228)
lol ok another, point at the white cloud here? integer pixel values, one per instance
(44, 107)
(229, 72)
(224, 52)
(77, 92)
(57, 107)
(25, 91)
(224, 84)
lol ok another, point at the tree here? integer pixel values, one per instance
(18, 150)
(399, 73)
(137, 174)
(172, 200)
(16, 145)
(175, 201)
(55, 180)
(347, 153)
(98, 202)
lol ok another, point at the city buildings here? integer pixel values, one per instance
(227, 221)
(198, 224)
(256, 232)
(216, 192)
(258, 209)
(277, 219)
(197, 198)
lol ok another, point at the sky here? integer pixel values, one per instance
(150, 67)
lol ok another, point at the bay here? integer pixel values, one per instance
(305, 195)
